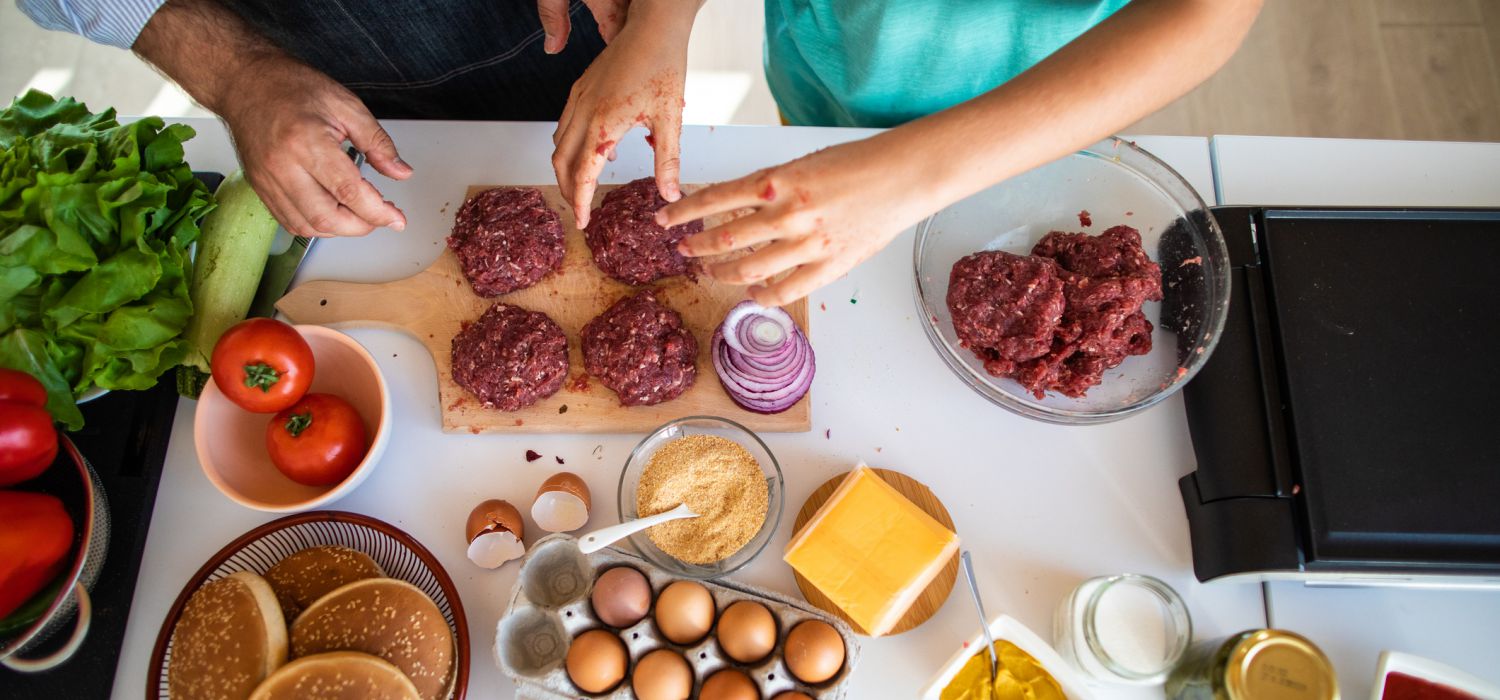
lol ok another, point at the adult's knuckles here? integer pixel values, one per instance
(350, 191)
(324, 222)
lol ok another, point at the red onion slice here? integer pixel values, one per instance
(763, 360)
(741, 335)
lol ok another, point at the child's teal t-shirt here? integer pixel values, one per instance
(886, 62)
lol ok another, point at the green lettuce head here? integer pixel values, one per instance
(96, 223)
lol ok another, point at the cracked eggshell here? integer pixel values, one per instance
(495, 531)
(562, 503)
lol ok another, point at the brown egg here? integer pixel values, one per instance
(747, 632)
(729, 684)
(814, 651)
(596, 661)
(621, 597)
(662, 675)
(792, 695)
(684, 612)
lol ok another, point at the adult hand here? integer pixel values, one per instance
(815, 217)
(636, 80)
(289, 123)
(608, 14)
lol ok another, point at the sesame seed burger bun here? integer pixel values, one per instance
(229, 637)
(337, 675)
(312, 573)
(391, 619)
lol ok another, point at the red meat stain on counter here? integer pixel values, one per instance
(1084, 219)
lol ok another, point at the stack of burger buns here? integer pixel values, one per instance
(348, 630)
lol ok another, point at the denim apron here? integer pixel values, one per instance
(434, 59)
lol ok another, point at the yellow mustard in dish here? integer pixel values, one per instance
(1020, 678)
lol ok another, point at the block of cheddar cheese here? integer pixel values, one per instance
(871, 550)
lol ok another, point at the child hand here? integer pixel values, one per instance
(817, 216)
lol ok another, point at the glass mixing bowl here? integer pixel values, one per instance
(1116, 183)
(630, 477)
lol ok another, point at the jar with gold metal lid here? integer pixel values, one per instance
(1254, 665)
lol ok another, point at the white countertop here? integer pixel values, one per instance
(1458, 628)
(1072, 502)
(1042, 507)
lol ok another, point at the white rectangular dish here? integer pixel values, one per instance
(1009, 629)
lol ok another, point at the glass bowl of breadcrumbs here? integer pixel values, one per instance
(722, 471)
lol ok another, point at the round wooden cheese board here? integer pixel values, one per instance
(931, 599)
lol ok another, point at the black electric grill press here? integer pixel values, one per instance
(1347, 428)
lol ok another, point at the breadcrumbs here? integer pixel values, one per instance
(720, 481)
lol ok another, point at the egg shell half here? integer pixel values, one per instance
(492, 515)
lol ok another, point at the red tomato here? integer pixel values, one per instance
(21, 387)
(34, 545)
(28, 442)
(318, 441)
(262, 365)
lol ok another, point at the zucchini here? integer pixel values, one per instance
(231, 255)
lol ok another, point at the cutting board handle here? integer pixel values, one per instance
(402, 304)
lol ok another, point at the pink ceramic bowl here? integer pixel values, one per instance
(231, 441)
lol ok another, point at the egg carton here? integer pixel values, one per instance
(549, 607)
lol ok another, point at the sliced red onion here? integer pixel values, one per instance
(768, 328)
(763, 359)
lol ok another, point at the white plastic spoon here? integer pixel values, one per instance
(599, 539)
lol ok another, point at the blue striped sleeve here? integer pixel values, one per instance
(110, 22)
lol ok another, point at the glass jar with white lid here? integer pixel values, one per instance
(1127, 629)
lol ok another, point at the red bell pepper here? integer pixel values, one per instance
(28, 440)
(36, 535)
(21, 387)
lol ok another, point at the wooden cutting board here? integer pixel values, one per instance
(434, 304)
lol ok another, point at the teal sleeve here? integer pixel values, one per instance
(886, 62)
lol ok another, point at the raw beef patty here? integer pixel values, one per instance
(510, 358)
(626, 242)
(506, 239)
(639, 349)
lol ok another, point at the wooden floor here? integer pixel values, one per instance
(1396, 69)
